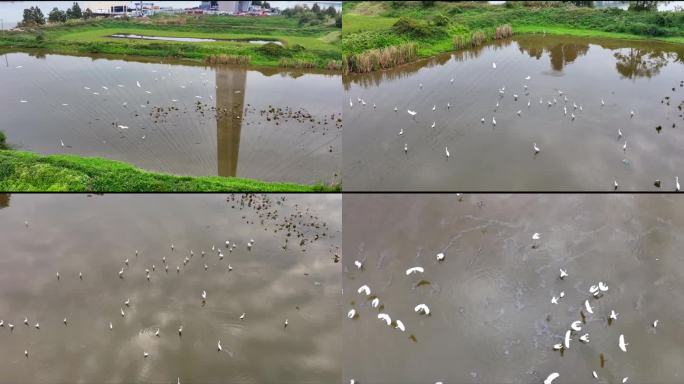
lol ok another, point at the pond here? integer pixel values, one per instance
(582, 140)
(251, 292)
(492, 319)
(194, 39)
(175, 117)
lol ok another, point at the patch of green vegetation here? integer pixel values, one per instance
(3, 141)
(24, 171)
(440, 26)
(318, 44)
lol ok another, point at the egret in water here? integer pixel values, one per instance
(204, 295)
(146, 355)
(400, 325)
(535, 148)
(655, 324)
(23, 101)
(286, 323)
(2, 323)
(593, 373)
(180, 331)
(631, 114)
(619, 133)
(603, 103)
(536, 236)
(137, 83)
(157, 332)
(493, 121)
(613, 315)
(385, 317)
(588, 306)
(603, 287)
(565, 111)
(519, 112)
(414, 270)
(229, 268)
(127, 302)
(529, 103)
(396, 109)
(122, 313)
(11, 326)
(111, 326)
(37, 325)
(549, 379)
(420, 85)
(557, 347)
(440, 256)
(483, 120)
(615, 184)
(57, 275)
(515, 97)
(576, 326)
(26, 352)
(242, 317)
(433, 124)
(584, 338)
(374, 106)
(422, 309)
(622, 344)
(405, 148)
(358, 264)
(527, 77)
(567, 339)
(494, 65)
(410, 112)
(448, 105)
(446, 151)
(572, 116)
(452, 80)
(554, 300)
(26, 321)
(61, 142)
(434, 108)
(375, 303)
(365, 289)
(677, 183)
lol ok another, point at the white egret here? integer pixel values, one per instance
(385, 317)
(218, 346)
(204, 295)
(677, 183)
(137, 83)
(493, 121)
(242, 317)
(603, 287)
(624, 379)
(593, 373)
(588, 306)
(414, 270)
(410, 112)
(122, 313)
(358, 264)
(563, 273)
(400, 325)
(631, 114)
(446, 151)
(26, 321)
(515, 96)
(576, 326)
(375, 303)
(422, 309)
(536, 236)
(622, 344)
(483, 120)
(603, 103)
(365, 289)
(405, 148)
(584, 338)
(494, 65)
(615, 184)
(619, 133)
(286, 323)
(440, 256)
(655, 324)
(434, 108)
(396, 109)
(146, 355)
(433, 124)
(535, 148)
(624, 146)
(527, 77)
(519, 112)
(127, 302)
(558, 347)
(401, 132)
(351, 314)
(37, 325)
(157, 332)
(26, 352)
(567, 339)
(613, 315)
(554, 300)
(549, 379)
(111, 326)
(180, 331)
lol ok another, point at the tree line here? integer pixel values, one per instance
(34, 16)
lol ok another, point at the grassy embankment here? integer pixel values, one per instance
(315, 46)
(24, 171)
(378, 35)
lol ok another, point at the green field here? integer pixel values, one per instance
(317, 45)
(24, 172)
(433, 28)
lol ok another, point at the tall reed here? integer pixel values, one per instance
(503, 31)
(382, 58)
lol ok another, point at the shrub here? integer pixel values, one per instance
(3, 141)
(411, 27)
(273, 49)
(40, 37)
(297, 48)
(440, 20)
(503, 31)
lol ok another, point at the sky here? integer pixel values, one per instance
(12, 11)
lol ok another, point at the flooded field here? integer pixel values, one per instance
(599, 112)
(499, 311)
(266, 124)
(89, 275)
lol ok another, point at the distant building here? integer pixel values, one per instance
(229, 7)
(107, 7)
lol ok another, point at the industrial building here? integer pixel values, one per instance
(228, 7)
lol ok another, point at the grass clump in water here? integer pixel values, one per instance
(296, 63)
(503, 31)
(227, 59)
(383, 58)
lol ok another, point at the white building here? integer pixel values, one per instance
(229, 7)
(107, 7)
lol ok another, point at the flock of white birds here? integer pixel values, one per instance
(569, 112)
(149, 269)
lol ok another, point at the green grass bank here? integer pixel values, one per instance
(25, 172)
(316, 45)
(378, 35)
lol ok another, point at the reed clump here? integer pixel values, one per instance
(477, 38)
(503, 31)
(296, 63)
(228, 59)
(382, 58)
(334, 65)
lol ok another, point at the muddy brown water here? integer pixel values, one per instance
(492, 320)
(95, 234)
(195, 120)
(580, 154)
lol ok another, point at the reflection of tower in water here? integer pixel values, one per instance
(230, 100)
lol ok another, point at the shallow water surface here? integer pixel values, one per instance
(584, 153)
(184, 119)
(492, 320)
(269, 283)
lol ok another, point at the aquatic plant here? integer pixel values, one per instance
(295, 63)
(383, 58)
(477, 38)
(503, 31)
(227, 59)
